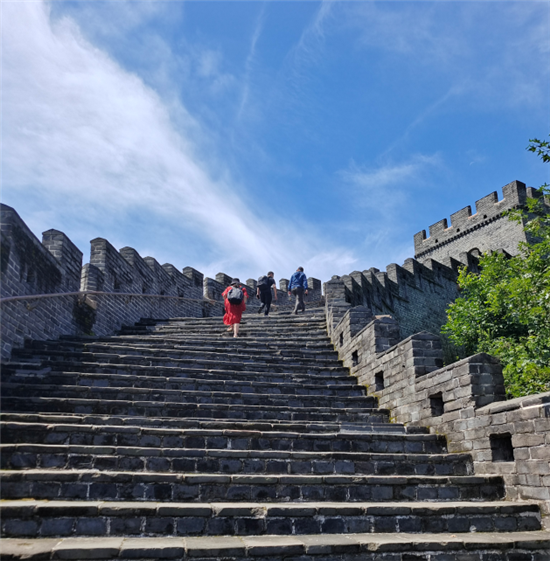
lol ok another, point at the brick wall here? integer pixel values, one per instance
(115, 288)
(62, 295)
(416, 294)
(464, 401)
(486, 230)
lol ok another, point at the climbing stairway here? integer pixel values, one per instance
(173, 440)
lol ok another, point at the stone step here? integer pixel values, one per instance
(228, 461)
(22, 370)
(177, 431)
(33, 518)
(134, 346)
(247, 332)
(312, 315)
(274, 329)
(178, 383)
(199, 356)
(82, 484)
(143, 436)
(246, 335)
(496, 546)
(301, 427)
(274, 320)
(202, 410)
(260, 325)
(101, 360)
(185, 397)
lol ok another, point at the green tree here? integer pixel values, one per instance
(504, 310)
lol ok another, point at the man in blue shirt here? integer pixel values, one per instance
(298, 287)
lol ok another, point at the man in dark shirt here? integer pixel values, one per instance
(298, 287)
(264, 291)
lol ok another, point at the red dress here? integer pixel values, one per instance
(233, 312)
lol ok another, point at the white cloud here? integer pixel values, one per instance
(93, 146)
(385, 188)
(496, 51)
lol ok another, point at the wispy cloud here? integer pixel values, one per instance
(93, 149)
(385, 188)
(249, 63)
(301, 62)
(451, 39)
(383, 198)
(429, 112)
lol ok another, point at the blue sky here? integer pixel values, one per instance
(241, 137)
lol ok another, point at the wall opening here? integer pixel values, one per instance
(355, 358)
(31, 275)
(379, 381)
(437, 405)
(341, 341)
(501, 447)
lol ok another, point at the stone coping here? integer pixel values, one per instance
(258, 546)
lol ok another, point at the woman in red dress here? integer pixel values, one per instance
(234, 312)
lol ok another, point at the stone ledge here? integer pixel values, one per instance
(274, 546)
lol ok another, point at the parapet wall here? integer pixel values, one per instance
(418, 292)
(46, 292)
(464, 401)
(415, 294)
(486, 230)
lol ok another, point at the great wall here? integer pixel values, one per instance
(134, 428)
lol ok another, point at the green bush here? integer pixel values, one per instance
(504, 310)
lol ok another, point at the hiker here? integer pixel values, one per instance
(263, 291)
(298, 287)
(235, 297)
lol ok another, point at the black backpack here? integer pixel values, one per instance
(235, 295)
(263, 282)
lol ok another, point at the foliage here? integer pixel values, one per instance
(504, 309)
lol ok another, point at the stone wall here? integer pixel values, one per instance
(464, 401)
(418, 293)
(415, 294)
(486, 230)
(46, 292)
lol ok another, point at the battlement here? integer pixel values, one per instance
(115, 288)
(468, 232)
(415, 294)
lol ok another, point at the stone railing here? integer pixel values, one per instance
(49, 316)
(464, 401)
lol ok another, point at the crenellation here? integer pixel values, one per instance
(212, 289)
(166, 284)
(118, 272)
(514, 194)
(145, 280)
(314, 284)
(27, 265)
(416, 294)
(486, 230)
(224, 279)
(68, 256)
(125, 287)
(486, 204)
(92, 279)
(438, 228)
(459, 218)
(283, 283)
(197, 280)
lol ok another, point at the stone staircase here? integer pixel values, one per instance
(175, 441)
